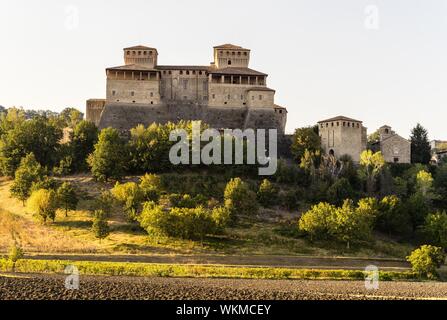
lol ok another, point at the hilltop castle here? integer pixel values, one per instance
(225, 94)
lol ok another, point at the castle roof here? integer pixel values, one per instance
(238, 71)
(339, 118)
(135, 67)
(167, 67)
(139, 47)
(260, 89)
(230, 46)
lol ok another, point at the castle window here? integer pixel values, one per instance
(185, 84)
(344, 123)
(133, 101)
(187, 72)
(214, 96)
(152, 102)
(349, 124)
(134, 52)
(233, 53)
(200, 72)
(151, 94)
(164, 72)
(332, 124)
(386, 131)
(145, 53)
(194, 72)
(358, 125)
(132, 93)
(245, 53)
(139, 53)
(113, 92)
(128, 53)
(228, 53)
(150, 53)
(327, 125)
(238, 53)
(169, 72)
(181, 72)
(338, 124)
(229, 62)
(260, 97)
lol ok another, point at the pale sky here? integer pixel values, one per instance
(321, 58)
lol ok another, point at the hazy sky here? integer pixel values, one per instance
(323, 57)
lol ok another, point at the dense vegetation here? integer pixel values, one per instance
(340, 201)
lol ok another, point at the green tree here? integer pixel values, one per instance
(426, 260)
(440, 183)
(435, 229)
(371, 165)
(37, 136)
(130, 196)
(306, 138)
(315, 222)
(100, 226)
(83, 140)
(417, 207)
(29, 172)
(15, 254)
(239, 199)
(267, 194)
(392, 216)
(43, 204)
(67, 197)
(109, 157)
(71, 117)
(420, 146)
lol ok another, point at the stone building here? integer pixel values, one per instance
(395, 149)
(343, 136)
(225, 94)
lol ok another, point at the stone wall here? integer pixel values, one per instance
(94, 109)
(396, 149)
(127, 116)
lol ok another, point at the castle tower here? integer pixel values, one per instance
(385, 132)
(231, 56)
(343, 136)
(141, 55)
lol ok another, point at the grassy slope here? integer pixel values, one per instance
(271, 233)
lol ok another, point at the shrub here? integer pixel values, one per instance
(15, 254)
(315, 221)
(239, 199)
(267, 194)
(339, 191)
(187, 223)
(426, 259)
(150, 185)
(43, 203)
(100, 227)
(130, 196)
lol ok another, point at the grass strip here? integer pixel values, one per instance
(193, 271)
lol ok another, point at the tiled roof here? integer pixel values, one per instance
(340, 118)
(237, 71)
(229, 46)
(140, 48)
(260, 89)
(203, 68)
(136, 67)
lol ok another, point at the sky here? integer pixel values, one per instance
(379, 61)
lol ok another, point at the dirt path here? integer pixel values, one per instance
(52, 287)
(253, 260)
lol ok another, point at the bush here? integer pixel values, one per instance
(239, 199)
(150, 185)
(267, 194)
(346, 223)
(15, 254)
(130, 196)
(426, 259)
(100, 227)
(186, 223)
(43, 203)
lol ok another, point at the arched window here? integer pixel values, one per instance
(229, 62)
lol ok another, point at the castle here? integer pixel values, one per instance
(225, 94)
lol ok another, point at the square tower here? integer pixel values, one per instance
(231, 56)
(343, 136)
(141, 55)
